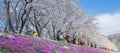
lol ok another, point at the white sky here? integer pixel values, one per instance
(109, 23)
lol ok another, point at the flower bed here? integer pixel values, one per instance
(22, 44)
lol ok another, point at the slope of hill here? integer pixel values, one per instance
(23, 44)
(115, 38)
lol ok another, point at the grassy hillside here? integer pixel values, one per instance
(115, 38)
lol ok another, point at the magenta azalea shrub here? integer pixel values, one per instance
(20, 44)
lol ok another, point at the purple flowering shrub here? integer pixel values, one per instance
(22, 44)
